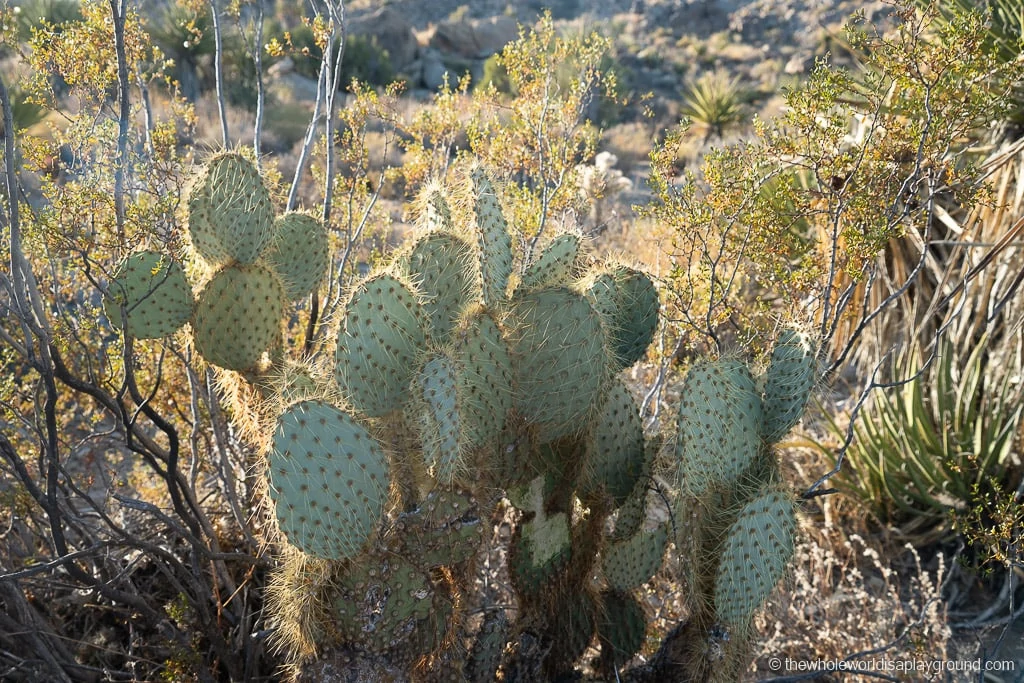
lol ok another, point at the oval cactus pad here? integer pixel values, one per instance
(382, 336)
(151, 289)
(328, 479)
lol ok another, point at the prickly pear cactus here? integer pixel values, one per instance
(616, 457)
(230, 216)
(755, 556)
(556, 342)
(788, 384)
(495, 244)
(630, 563)
(298, 253)
(441, 265)
(719, 425)
(394, 590)
(439, 407)
(621, 627)
(440, 423)
(383, 333)
(628, 302)
(238, 316)
(151, 289)
(484, 378)
(554, 265)
(329, 480)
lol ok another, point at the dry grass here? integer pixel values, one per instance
(846, 598)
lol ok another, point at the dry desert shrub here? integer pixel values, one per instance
(850, 600)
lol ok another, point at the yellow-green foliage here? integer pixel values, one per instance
(856, 161)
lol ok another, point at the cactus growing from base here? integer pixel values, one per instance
(447, 396)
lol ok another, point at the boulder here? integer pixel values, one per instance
(291, 88)
(392, 32)
(435, 71)
(474, 39)
(492, 35)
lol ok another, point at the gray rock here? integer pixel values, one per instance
(492, 35)
(474, 39)
(797, 64)
(435, 72)
(392, 32)
(292, 88)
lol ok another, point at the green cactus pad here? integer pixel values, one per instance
(615, 458)
(718, 434)
(631, 513)
(554, 265)
(433, 632)
(484, 378)
(757, 550)
(238, 316)
(151, 288)
(628, 303)
(298, 253)
(559, 359)
(436, 215)
(328, 479)
(621, 629)
(788, 385)
(440, 427)
(445, 530)
(291, 381)
(381, 338)
(441, 265)
(488, 649)
(381, 601)
(494, 242)
(457, 543)
(630, 563)
(230, 216)
(540, 548)
(555, 462)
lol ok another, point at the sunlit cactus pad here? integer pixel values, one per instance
(719, 425)
(615, 458)
(494, 242)
(382, 336)
(630, 563)
(484, 378)
(628, 302)
(756, 552)
(298, 253)
(557, 347)
(440, 423)
(328, 479)
(151, 288)
(435, 213)
(441, 265)
(554, 265)
(788, 384)
(230, 216)
(238, 316)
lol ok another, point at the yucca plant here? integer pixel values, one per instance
(942, 441)
(714, 103)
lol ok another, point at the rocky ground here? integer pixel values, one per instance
(673, 40)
